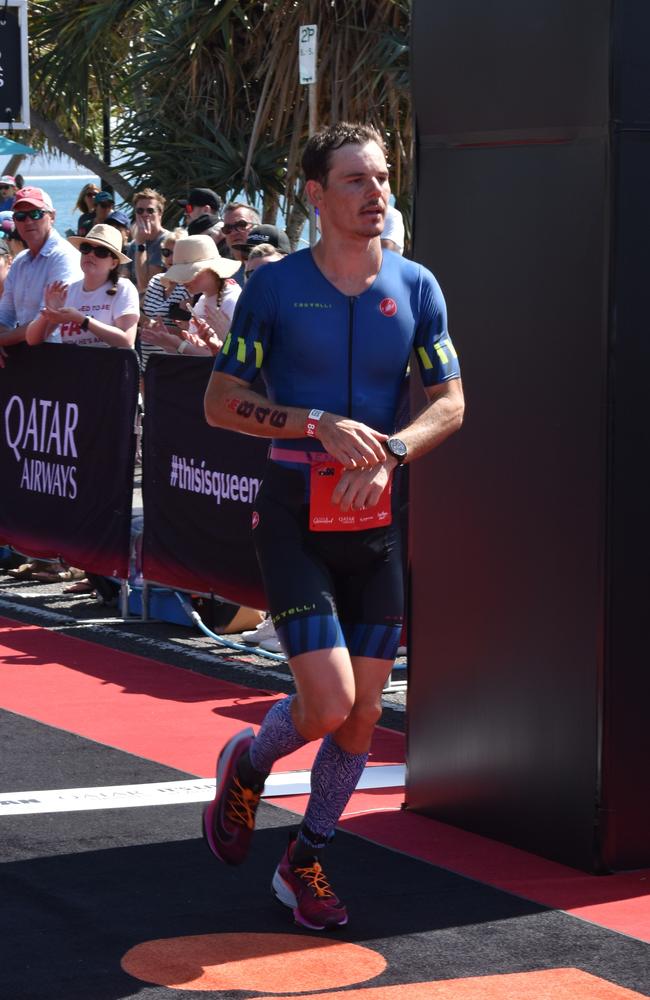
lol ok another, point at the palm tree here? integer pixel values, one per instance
(80, 58)
(208, 94)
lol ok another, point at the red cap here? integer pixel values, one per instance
(35, 197)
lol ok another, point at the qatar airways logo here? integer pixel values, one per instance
(45, 428)
(388, 307)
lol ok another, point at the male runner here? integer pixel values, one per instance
(331, 330)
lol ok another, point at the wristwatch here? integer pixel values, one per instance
(84, 323)
(397, 449)
(141, 247)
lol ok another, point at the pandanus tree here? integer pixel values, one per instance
(205, 93)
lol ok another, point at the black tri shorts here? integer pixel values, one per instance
(326, 588)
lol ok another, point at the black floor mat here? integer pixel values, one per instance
(80, 889)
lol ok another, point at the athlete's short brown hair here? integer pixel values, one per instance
(318, 151)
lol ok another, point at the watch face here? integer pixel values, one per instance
(397, 448)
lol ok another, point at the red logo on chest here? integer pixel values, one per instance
(388, 307)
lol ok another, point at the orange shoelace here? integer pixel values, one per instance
(242, 803)
(316, 879)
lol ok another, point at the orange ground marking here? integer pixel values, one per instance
(269, 962)
(550, 984)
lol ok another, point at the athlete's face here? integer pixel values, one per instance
(354, 200)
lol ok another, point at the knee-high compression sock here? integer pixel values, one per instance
(334, 777)
(277, 738)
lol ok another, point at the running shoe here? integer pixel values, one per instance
(271, 645)
(229, 820)
(305, 889)
(262, 632)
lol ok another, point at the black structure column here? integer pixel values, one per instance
(529, 676)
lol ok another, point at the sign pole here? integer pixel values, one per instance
(307, 45)
(313, 125)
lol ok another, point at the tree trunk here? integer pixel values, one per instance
(270, 208)
(295, 223)
(55, 137)
(13, 163)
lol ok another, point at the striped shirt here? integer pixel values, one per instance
(156, 304)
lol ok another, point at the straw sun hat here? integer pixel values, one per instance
(103, 236)
(193, 254)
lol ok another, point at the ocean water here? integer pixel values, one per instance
(64, 190)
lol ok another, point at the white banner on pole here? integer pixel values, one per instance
(307, 40)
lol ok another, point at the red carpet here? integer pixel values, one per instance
(180, 719)
(162, 713)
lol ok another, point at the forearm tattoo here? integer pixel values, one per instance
(246, 409)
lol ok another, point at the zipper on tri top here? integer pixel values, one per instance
(351, 301)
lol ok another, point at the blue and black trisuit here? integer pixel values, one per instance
(318, 348)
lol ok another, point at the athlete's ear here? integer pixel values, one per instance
(314, 191)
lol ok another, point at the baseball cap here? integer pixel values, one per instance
(203, 223)
(118, 219)
(202, 196)
(36, 197)
(8, 179)
(266, 234)
(102, 197)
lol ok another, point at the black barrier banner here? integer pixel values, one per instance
(199, 489)
(67, 450)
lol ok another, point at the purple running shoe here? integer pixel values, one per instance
(306, 890)
(229, 820)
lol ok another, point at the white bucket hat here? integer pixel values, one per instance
(194, 254)
(103, 236)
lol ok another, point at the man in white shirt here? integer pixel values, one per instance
(392, 237)
(48, 258)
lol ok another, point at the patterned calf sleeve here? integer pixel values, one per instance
(334, 777)
(277, 737)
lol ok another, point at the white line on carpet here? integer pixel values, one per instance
(172, 792)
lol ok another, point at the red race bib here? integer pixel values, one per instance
(327, 516)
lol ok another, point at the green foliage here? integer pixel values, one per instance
(206, 92)
(80, 58)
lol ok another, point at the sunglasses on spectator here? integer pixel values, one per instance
(101, 252)
(233, 227)
(166, 251)
(34, 213)
(4, 187)
(146, 211)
